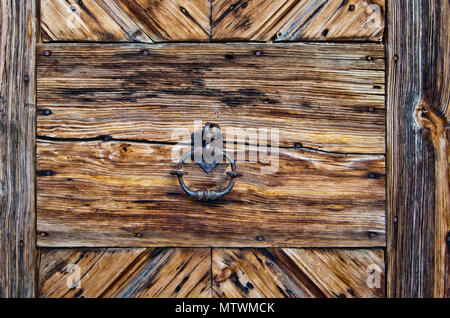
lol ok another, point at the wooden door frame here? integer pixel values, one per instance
(418, 76)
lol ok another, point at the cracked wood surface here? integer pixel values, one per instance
(106, 116)
(216, 20)
(418, 157)
(328, 97)
(113, 193)
(17, 123)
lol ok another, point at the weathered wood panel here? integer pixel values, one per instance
(297, 273)
(293, 20)
(88, 20)
(125, 20)
(17, 124)
(323, 96)
(121, 193)
(204, 20)
(418, 135)
(137, 272)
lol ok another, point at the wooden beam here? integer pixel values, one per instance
(326, 96)
(17, 122)
(114, 193)
(418, 158)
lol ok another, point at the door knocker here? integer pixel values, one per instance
(206, 146)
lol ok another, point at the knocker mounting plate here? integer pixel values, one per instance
(207, 144)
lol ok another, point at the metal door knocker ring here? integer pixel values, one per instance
(206, 195)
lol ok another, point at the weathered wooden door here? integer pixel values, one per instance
(299, 91)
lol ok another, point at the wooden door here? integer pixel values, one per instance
(116, 80)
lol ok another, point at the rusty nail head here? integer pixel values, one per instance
(371, 109)
(21, 243)
(144, 52)
(372, 235)
(43, 234)
(138, 235)
(351, 7)
(26, 78)
(260, 238)
(395, 219)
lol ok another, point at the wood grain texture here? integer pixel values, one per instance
(121, 193)
(216, 20)
(327, 97)
(125, 273)
(299, 273)
(88, 20)
(17, 123)
(418, 158)
(125, 20)
(293, 20)
(171, 20)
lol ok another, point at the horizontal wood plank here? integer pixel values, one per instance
(117, 193)
(323, 96)
(298, 273)
(124, 273)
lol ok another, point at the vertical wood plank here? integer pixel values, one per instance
(418, 121)
(17, 123)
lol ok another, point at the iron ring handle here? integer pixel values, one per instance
(206, 195)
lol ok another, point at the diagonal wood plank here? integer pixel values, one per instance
(296, 272)
(323, 20)
(293, 20)
(125, 20)
(174, 272)
(342, 272)
(137, 272)
(249, 19)
(171, 20)
(88, 20)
